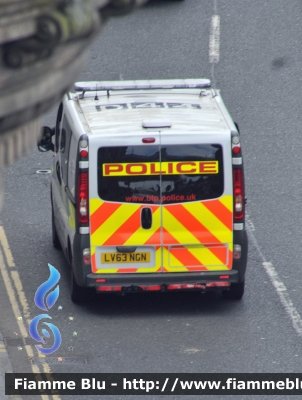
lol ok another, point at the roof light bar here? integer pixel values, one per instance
(148, 84)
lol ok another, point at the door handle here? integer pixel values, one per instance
(125, 249)
(146, 218)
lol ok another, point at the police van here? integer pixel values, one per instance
(147, 188)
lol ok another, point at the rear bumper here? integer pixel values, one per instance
(162, 280)
(84, 277)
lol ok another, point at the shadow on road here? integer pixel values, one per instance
(162, 303)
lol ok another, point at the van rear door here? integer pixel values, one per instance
(197, 203)
(125, 215)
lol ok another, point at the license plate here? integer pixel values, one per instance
(115, 258)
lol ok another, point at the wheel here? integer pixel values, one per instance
(76, 292)
(79, 294)
(55, 238)
(235, 292)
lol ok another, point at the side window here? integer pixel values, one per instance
(64, 142)
(58, 123)
(72, 164)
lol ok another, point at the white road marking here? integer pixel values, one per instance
(214, 42)
(279, 286)
(191, 351)
(214, 54)
(249, 222)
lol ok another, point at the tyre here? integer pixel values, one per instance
(55, 238)
(79, 294)
(76, 292)
(235, 292)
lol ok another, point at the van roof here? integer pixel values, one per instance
(139, 110)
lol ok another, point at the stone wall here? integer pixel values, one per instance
(43, 47)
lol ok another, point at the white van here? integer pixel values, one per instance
(147, 188)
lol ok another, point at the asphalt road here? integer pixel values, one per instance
(258, 72)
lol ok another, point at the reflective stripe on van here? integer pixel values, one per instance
(193, 236)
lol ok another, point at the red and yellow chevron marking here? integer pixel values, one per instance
(193, 236)
(199, 235)
(119, 224)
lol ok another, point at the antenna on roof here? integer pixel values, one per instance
(96, 93)
(203, 93)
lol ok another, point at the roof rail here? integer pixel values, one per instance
(143, 84)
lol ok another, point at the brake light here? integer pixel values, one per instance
(83, 148)
(237, 252)
(86, 256)
(236, 149)
(83, 198)
(148, 140)
(84, 153)
(238, 193)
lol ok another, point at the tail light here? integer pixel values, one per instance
(86, 256)
(83, 215)
(237, 252)
(238, 193)
(83, 149)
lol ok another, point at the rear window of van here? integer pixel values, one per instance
(152, 175)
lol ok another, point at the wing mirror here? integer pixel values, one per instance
(45, 143)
